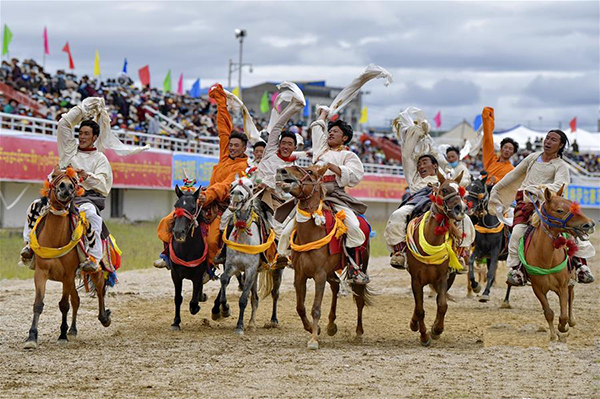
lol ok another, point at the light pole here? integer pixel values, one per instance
(237, 66)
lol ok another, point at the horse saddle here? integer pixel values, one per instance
(335, 245)
(420, 200)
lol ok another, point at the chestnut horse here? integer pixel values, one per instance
(437, 229)
(546, 258)
(318, 264)
(53, 233)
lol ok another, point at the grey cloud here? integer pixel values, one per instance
(445, 92)
(575, 91)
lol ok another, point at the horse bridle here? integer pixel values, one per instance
(445, 208)
(554, 222)
(54, 183)
(312, 182)
(182, 212)
(482, 200)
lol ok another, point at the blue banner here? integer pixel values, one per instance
(197, 167)
(586, 196)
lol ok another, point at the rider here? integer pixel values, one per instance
(496, 166)
(539, 171)
(93, 169)
(232, 161)
(345, 169)
(455, 166)
(258, 150)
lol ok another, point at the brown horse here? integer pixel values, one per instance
(549, 250)
(438, 223)
(318, 264)
(54, 232)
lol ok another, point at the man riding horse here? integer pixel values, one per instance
(86, 156)
(420, 170)
(497, 166)
(539, 171)
(232, 161)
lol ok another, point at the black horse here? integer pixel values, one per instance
(489, 245)
(187, 251)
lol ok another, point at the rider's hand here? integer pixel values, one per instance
(82, 174)
(201, 199)
(262, 186)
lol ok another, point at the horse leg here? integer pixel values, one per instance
(506, 302)
(491, 273)
(178, 284)
(359, 292)
(442, 307)
(474, 285)
(563, 326)
(254, 303)
(277, 278)
(63, 305)
(300, 286)
(75, 305)
(250, 279)
(548, 313)
(571, 299)
(320, 281)
(335, 288)
(221, 308)
(196, 291)
(38, 306)
(418, 319)
(103, 314)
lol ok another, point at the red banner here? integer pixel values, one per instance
(32, 159)
(380, 188)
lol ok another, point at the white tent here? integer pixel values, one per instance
(457, 135)
(587, 141)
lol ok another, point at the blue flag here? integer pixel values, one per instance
(195, 92)
(125, 67)
(306, 111)
(477, 122)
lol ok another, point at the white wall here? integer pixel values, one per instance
(147, 204)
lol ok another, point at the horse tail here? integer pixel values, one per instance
(363, 291)
(265, 283)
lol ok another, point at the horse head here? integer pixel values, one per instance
(187, 210)
(448, 197)
(242, 189)
(477, 197)
(562, 215)
(63, 188)
(300, 182)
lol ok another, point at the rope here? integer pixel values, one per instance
(338, 230)
(9, 207)
(53, 253)
(538, 271)
(192, 263)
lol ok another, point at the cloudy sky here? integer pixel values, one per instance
(537, 63)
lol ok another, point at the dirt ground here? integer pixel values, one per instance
(484, 352)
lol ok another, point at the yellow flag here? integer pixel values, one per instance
(97, 64)
(236, 92)
(363, 116)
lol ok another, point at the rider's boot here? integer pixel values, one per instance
(163, 262)
(584, 274)
(516, 276)
(356, 275)
(27, 257)
(90, 265)
(398, 258)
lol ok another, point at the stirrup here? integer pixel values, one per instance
(584, 275)
(358, 277)
(159, 263)
(398, 261)
(89, 266)
(516, 277)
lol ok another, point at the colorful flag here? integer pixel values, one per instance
(306, 111)
(573, 124)
(46, 47)
(438, 119)
(144, 74)
(97, 64)
(236, 92)
(264, 103)
(195, 92)
(125, 67)
(477, 122)
(274, 97)
(6, 39)
(67, 50)
(167, 82)
(364, 116)
(180, 85)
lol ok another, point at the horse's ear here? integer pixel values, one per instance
(178, 191)
(440, 177)
(196, 193)
(560, 191)
(459, 177)
(547, 194)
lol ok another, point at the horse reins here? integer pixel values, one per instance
(312, 182)
(553, 222)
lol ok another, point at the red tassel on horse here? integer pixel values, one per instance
(461, 191)
(179, 212)
(571, 247)
(575, 208)
(71, 172)
(559, 242)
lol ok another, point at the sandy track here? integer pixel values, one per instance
(138, 355)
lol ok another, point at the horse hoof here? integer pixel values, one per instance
(271, 324)
(477, 288)
(572, 322)
(426, 343)
(414, 325)
(505, 305)
(72, 333)
(562, 337)
(30, 345)
(204, 297)
(175, 327)
(62, 341)
(312, 345)
(469, 295)
(331, 329)
(239, 331)
(225, 313)
(215, 316)
(251, 327)
(484, 298)
(435, 335)
(106, 322)
(194, 309)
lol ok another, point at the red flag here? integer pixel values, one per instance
(144, 73)
(438, 119)
(46, 48)
(573, 124)
(180, 85)
(67, 50)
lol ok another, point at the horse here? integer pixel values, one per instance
(54, 242)
(305, 184)
(490, 236)
(244, 247)
(187, 251)
(545, 252)
(429, 255)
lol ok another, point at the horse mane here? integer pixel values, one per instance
(535, 220)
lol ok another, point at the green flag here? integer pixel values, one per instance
(7, 38)
(167, 82)
(264, 103)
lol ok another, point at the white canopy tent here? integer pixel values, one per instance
(587, 141)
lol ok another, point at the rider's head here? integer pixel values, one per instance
(427, 165)
(340, 133)
(452, 155)
(88, 133)
(237, 144)
(258, 150)
(555, 142)
(287, 144)
(508, 147)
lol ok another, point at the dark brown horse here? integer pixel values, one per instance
(438, 227)
(53, 232)
(318, 264)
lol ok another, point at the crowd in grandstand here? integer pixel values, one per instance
(134, 109)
